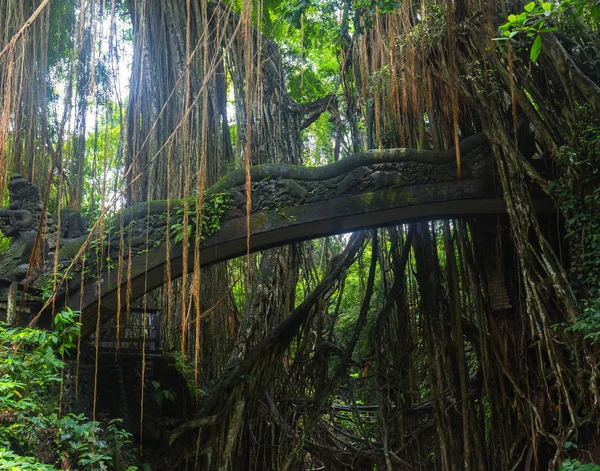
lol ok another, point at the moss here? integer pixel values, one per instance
(390, 198)
(259, 220)
(403, 196)
(70, 247)
(157, 207)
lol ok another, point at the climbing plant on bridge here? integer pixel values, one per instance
(215, 205)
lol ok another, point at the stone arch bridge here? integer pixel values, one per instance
(289, 204)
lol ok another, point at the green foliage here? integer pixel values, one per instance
(575, 465)
(160, 395)
(294, 11)
(30, 375)
(368, 8)
(578, 193)
(105, 143)
(431, 29)
(534, 20)
(214, 207)
(91, 445)
(354, 291)
(30, 363)
(66, 331)
(4, 244)
(317, 142)
(532, 23)
(362, 12)
(309, 39)
(12, 462)
(186, 368)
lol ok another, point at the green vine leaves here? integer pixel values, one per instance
(533, 20)
(214, 207)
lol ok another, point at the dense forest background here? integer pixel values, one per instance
(384, 349)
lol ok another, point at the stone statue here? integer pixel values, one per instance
(72, 224)
(19, 222)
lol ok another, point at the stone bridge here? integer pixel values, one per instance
(289, 204)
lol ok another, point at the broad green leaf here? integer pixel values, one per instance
(536, 48)
(529, 7)
(547, 6)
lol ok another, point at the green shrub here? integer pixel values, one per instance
(32, 435)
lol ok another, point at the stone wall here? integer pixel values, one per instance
(119, 391)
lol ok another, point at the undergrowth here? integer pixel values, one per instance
(577, 191)
(33, 435)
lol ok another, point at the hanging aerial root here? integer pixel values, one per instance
(235, 386)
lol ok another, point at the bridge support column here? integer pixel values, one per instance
(8, 303)
(11, 304)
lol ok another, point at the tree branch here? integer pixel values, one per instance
(310, 112)
(566, 65)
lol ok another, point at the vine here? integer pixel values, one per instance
(578, 192)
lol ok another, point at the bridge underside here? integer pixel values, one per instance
(297, 223)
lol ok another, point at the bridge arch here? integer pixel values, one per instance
(292, 224)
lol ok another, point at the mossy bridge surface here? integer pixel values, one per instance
(289, 204)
